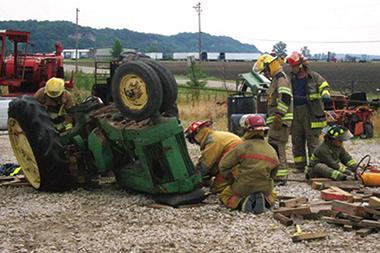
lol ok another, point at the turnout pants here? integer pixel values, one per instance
(322, 170)
(278, 140)
(302, 135)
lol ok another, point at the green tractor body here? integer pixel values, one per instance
(147, 154)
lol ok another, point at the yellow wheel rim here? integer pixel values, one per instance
(133, 92)
(24, 153)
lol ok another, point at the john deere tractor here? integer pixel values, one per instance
(145, 151)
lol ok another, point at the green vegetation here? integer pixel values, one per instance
(44, 34)
(197, 80)
(117, 48)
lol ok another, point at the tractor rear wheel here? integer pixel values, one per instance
(137, 90)
(36, 145)
(169, 84)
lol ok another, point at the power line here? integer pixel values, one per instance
(320, 42)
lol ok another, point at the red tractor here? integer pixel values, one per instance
(353, 112)
(25, 73)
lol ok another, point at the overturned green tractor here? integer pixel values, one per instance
(145, 151)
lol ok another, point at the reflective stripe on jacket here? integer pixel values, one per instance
(256, 161)
(280, 99)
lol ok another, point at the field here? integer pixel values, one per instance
(341, 76)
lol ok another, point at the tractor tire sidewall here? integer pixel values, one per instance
(368, 130)
(169, 84)
(44, 141)
(152, 84)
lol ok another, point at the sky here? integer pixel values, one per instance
(340, 26)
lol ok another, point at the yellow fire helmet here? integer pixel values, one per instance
(54, 87)
(267, 62)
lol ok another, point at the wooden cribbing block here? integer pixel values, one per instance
(293, 202)
(369, 224)
(371, 211)
(364, 231)
(338, 221)
(302, 210)
(348, 208)
(374, 201)
(329, 194)
(284, 220)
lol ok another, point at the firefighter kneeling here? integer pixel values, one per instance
(330, 159)
(214, 145)
(251, 190)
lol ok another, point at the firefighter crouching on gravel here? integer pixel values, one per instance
(280, 107)
(214, 145)
(330, 159)
(251, 190)
(310, 91)
(56, 100)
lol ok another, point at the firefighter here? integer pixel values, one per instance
(56, 100)
(214, 145)
(310, 92)
(251, 190)
(330, 159)
(280, 107)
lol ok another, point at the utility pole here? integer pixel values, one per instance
(198, 9)
(76, 41)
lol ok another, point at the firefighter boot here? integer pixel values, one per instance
(254, 203)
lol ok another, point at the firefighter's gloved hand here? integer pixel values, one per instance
(68, 126)
(326, 98)
(277, 122)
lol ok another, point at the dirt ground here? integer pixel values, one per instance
(109, 219)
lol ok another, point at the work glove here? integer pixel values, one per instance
(277, 123)
(68, 126)
(326, 98)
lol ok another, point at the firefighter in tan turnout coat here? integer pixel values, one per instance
(310, 91)
(56, 100)
(280, 107)
(214, 145)
(251, 190)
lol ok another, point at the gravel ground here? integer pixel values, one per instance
(112, 220)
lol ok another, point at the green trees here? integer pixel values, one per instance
(117, 49)
(280, 48)
(197, 80)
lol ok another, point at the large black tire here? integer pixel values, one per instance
(43, 139)
(142, 102)
(169, 84)
(368, 130)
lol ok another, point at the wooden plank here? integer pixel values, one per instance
(344, 185)
(337, 221)
(353, 218)
(371, 211)
(370, 223)
(374, 201)
(330, 194)
(349, 208)
(322, 210)
(284, 220)
(343, 192)
(347, 228)
(364, 231)
(308, 236)
(302, 210)
(295, 202)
